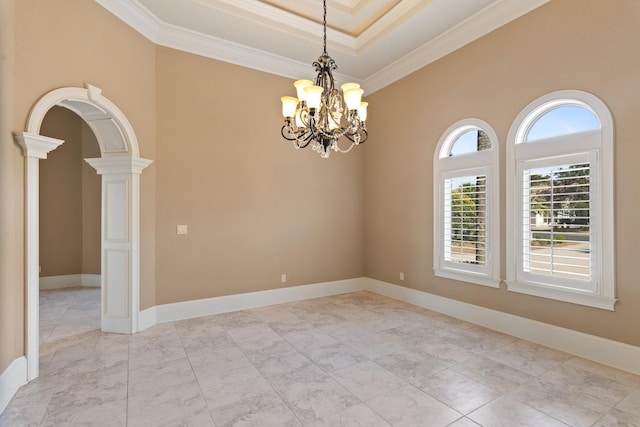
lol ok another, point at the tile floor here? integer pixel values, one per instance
(67, 313)
(349, 360)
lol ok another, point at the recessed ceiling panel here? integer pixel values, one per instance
(365, 37)
(349, 17)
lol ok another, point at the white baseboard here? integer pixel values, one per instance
(11, 380)
(206, 307)
(601, 350)
(147, 318)
(605, 351)
(91, 280)
(70, 281)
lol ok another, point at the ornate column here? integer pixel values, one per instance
(34, 147)
(120, 241)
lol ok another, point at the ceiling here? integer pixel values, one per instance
(374, 42)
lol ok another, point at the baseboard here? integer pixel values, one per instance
(91, 280)
(206, 307)
(147, 318)
(70, 281)
(11, 380)
(601, 350)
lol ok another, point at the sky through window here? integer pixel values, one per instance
(563, 120)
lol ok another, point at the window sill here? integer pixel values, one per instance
(588, 300)
(465, 276)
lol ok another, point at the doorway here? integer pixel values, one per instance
(120, 167)
(70, 242)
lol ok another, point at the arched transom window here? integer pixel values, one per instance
(466, 204)
(560, 200)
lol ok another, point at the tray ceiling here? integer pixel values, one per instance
(374, 42)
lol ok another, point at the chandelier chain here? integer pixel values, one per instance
(324, 26)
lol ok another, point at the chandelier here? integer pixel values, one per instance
(322, 114)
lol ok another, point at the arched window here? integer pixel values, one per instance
(560, 200)
(466, 204)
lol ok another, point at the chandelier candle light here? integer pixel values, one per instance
(317, 116)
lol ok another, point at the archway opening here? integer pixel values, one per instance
(120, 167)
(69, 228)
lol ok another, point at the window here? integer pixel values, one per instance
(466, 204)
(560, 200)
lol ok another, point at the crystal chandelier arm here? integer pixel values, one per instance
(358, 138)
(301, 137)
(304, 141)
(337, 148)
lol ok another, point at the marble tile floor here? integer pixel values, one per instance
(356, 359)
(67, 314)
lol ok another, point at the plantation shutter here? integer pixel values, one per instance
(557, 221)
(465, 236)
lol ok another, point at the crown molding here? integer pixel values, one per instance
(275, 17)
(476, 26)
(146, 23)
(340, 39)
(234, 53)
(134, 15)
(388, 23)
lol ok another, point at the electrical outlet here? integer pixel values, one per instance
(283, 278)
(182, 229)
(401, 275)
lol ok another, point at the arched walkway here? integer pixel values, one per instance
(120, 167)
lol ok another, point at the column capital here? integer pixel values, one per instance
(36, 146)
(119, 165)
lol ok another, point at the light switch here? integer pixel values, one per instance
(182, 229)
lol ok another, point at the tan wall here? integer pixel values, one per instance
(91, 204)
(255, 207)
(61, 196)
(589, 45)
(92, 46)
(11, 202)
(70, 193)
(47, 45)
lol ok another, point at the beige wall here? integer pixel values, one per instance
(47, 45)
(92, 46)
(589, 45)
(91, 204)
(255, 207)
(11, 202)
(61, 197)
(70, 192)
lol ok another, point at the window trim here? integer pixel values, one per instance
(603, 205)
(445, 166)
